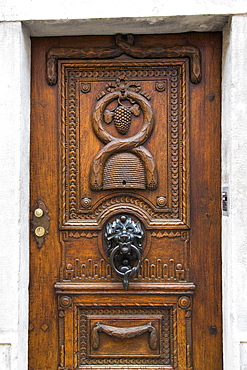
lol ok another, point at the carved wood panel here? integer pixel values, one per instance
(91, 264)
(127, 335)
(158, 91)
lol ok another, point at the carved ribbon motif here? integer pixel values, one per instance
(124, 333)
(121, 91)
(124, 46)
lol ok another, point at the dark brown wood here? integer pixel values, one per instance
(126, 112)
(130, 92)
(123, 333)
(123, 47)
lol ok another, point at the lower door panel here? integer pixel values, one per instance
(141, 331)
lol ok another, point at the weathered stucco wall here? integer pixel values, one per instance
(15, 10)
(234, 175)
(95, 17)
(14, 203)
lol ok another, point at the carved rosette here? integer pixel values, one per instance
(184, 302)
(65, 302)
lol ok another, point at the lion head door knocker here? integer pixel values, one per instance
(123, 163)
(124, 239)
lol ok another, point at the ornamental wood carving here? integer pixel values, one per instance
(127, 161)
(123, 171)
(124, 46)
(124, 333)
(77, 268)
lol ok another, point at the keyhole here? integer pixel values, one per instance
(124, 182)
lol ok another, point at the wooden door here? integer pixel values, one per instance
(125, 261)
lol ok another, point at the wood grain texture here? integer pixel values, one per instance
(178, 286)
(123, 46)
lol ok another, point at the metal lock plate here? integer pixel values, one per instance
(40, 222)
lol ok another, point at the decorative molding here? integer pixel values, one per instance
(144, 205)
(185, 150)
(169, 234)
(61, 317)
(174, 145)
(189, 357)
(83, 234)
(150, 271)
(124, 46)
(98, 312)
(174, 336)
(83, 213)
(44, 327)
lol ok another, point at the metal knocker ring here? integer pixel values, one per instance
(126, 275)
(124, 238)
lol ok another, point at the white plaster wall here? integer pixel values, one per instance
(234, 175)
(14, 183)
(86, 9)
(60, 17)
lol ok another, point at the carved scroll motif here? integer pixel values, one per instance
(124, 46)
(124, 333)
(119, 92)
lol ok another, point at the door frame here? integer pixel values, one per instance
(24, 198)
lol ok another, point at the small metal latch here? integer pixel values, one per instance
(40, 222)
(213, 330)
(225, 201)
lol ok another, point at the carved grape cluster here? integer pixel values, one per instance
(122, 119)
(122, 116)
